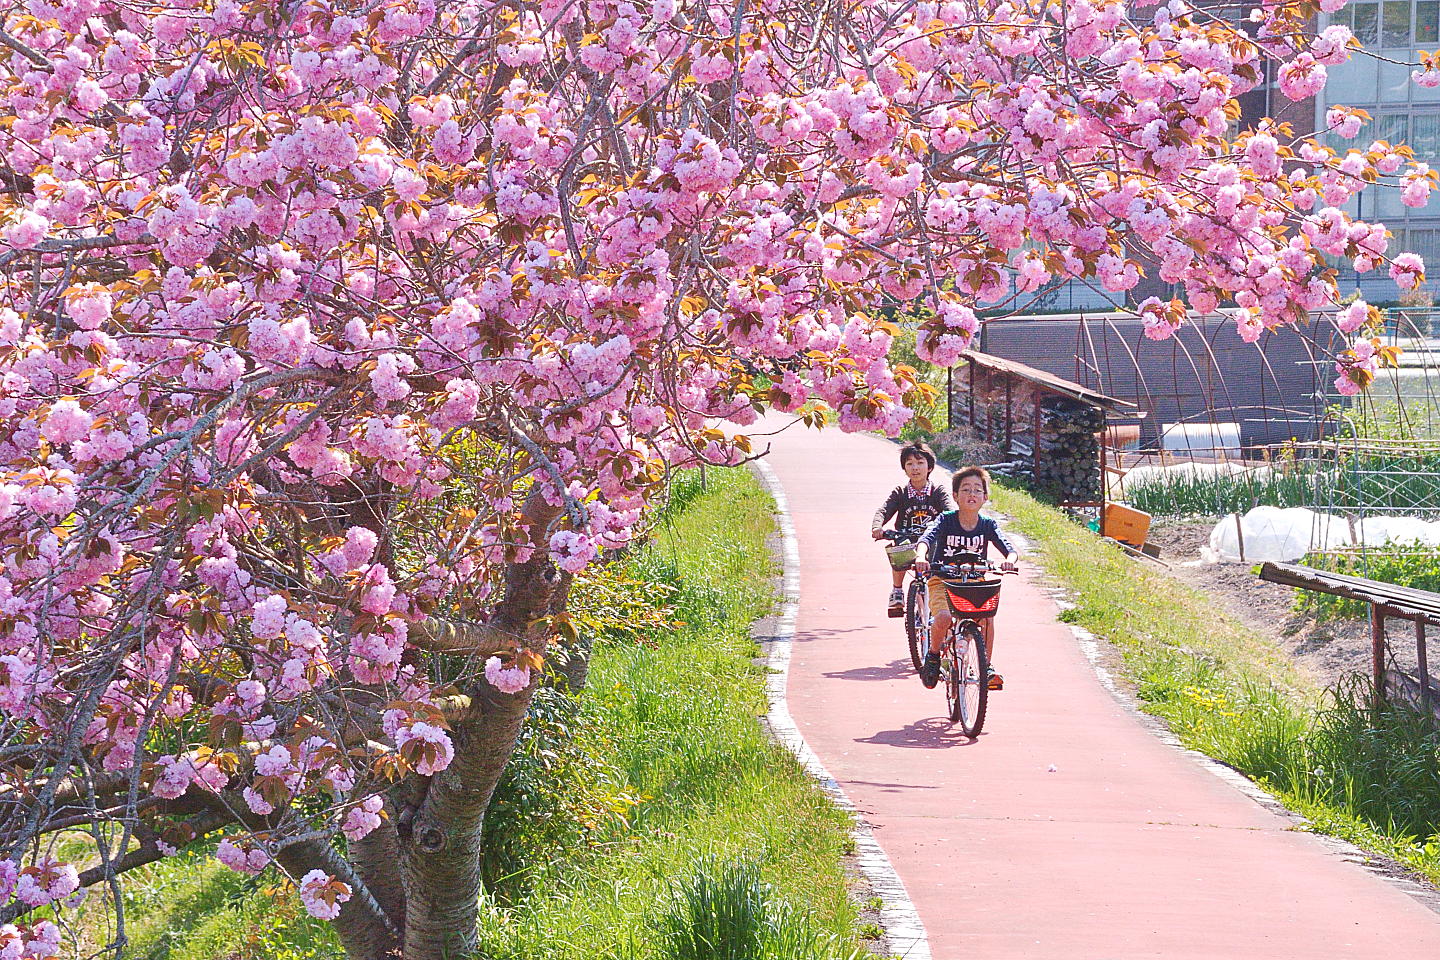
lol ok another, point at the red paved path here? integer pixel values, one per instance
(1130, 849)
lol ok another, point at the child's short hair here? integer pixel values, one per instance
(966, 472)
(917, 449)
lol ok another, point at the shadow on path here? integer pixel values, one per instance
(895, 787)
(933, 733)
(894, 670)
(810, 636)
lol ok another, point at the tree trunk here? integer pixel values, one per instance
(442, 847)
(377, 862)
(574, 662)
(576, 668)
(364, 930)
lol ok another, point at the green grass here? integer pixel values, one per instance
(1371, 776)
(657, 784)
(681, 712)
(725, 910)
(190, 907)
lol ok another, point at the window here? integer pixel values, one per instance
(1424, 242)
(1425, 137)
(1427, 21)
(1395, 24)
(1392, 24)
(1367, 23)
(1393, 128)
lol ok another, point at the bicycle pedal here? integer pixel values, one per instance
(896, 612)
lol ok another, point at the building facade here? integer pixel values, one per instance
(1401, 111)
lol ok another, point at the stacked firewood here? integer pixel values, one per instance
(1067, 465)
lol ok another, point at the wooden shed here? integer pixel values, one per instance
(1055, 428)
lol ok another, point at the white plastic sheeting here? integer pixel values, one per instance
(1176, 472)
(1202, 439)
(1286, 535)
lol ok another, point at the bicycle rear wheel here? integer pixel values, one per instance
(917, 621)
(971, 682)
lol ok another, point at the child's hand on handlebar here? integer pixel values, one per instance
(877, 534)
(1010, 566)
(922, 567)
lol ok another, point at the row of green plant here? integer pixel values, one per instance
(1353, 483)
(1369, 775)
(647, 817)
(1194, 494)
(1406, 566)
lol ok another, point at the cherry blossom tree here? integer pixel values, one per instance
(337, 337)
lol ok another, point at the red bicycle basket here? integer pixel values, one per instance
(974, 599)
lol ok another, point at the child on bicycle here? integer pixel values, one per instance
(914, 504)
(962, 530)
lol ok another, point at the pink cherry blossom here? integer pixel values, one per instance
(322, 895)
(506, 679)
(9, 874)
(26, 232)
(1353, 316)
(336, 348)
(1417, 185)
(1407, 270)
(364, 818)
(46, 881)
(427, 742)
(1343, 122)
(248, 860)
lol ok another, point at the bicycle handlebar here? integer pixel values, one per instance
(969, 564)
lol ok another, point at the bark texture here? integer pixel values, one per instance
(441, 845)
(440, 833)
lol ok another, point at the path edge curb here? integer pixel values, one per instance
(904, 931)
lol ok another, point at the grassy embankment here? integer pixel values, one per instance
(1370, 777)
(631, 814)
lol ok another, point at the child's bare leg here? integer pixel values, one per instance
(938, 629)
(897, 578)
(987, 626)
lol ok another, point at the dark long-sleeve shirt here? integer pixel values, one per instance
(945, 539)
(911, 507)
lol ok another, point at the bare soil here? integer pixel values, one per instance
(1328, 650)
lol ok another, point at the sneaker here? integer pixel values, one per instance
(996, 682)
(897, 602)
(930, 670)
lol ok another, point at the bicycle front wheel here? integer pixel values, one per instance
(971, 678)
(917, 621)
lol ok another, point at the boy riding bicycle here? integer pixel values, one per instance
(914, 504)
(962, 530)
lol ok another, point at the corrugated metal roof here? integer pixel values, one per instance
(1051, 382)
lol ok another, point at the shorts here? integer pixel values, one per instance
(939, 599)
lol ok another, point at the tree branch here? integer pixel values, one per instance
(438, 635)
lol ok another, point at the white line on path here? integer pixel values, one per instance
(904, 931)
